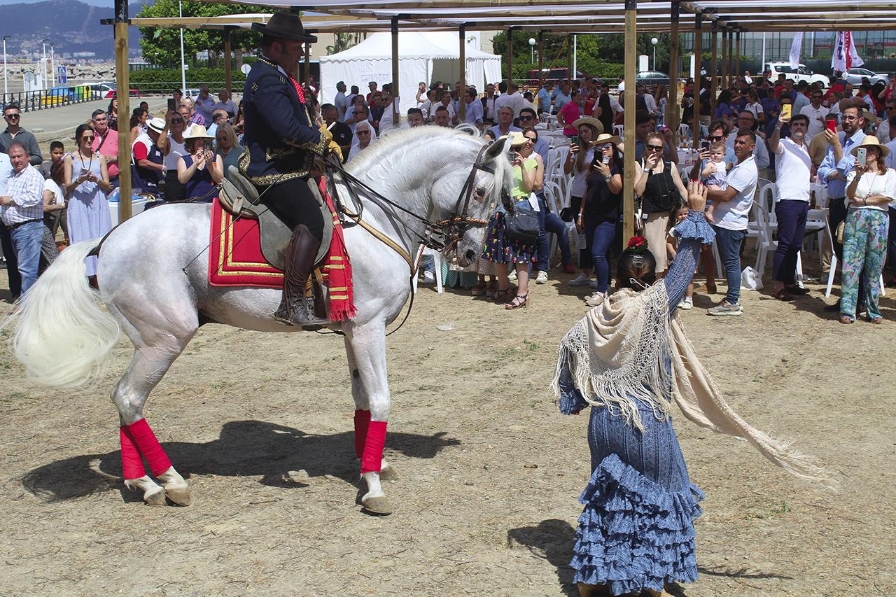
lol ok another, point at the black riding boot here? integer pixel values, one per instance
(300, 254)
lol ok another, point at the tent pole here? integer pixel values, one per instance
(461, 93)
(396, 92)
(122, 81)
(713, 79)
(673, 113)
(631, 58)
(510, 54)
(698, 79)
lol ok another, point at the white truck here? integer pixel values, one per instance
(801, 73)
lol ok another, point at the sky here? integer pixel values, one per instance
(103, 3)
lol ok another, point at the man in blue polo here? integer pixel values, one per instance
(282, 143)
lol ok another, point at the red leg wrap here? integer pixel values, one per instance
(362, 423)
(372, 461)
(149, 446)
(131, 464)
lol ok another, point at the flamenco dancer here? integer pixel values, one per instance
(629, 359)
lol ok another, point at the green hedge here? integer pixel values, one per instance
(165, 80)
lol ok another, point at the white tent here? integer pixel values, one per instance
(426, 57)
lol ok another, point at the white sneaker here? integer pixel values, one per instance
(687, 304)
(428, 278)
(595, 300)
(542, 277)
(512, 275)
(580, 280)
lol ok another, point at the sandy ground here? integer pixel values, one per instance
(490, 472)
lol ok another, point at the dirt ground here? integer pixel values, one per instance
(490, 471)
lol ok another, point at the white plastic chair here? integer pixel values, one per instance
(552, 198)
(684, 131)
(619, 131)
(437, 258)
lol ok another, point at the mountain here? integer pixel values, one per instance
(70, 25)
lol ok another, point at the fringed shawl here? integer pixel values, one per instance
(617, 354)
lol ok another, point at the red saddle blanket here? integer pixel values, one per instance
(235, 257)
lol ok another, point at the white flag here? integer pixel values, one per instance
(838, 58)
(795, 51)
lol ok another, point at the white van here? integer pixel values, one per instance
(801, 73)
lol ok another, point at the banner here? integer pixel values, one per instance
(845, 54)
(795, 50)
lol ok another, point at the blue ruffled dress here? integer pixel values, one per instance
(637, 528)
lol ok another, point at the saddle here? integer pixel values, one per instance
(239, 197)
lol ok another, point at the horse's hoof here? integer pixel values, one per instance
(389, 474)
(179, 497)
(376, 505)
(154, 498)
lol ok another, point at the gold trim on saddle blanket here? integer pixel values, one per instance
(226, 249)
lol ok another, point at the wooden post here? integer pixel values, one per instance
(509, 54)
(673, 111)
(228, 70)
(698, 79)
(540, 52)
(724, 81)
(732, 74)
(461, 93)
(396, 92)
(737, 72)
(631, 59)
(122, 81)
(713, 79)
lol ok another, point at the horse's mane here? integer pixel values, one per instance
(381, 152)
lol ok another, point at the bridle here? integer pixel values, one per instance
(449, 230)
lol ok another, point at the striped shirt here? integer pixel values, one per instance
(26, 189)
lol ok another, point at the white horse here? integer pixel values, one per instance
(152, 286)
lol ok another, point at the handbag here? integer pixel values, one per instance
(838, 234)
(522, 223)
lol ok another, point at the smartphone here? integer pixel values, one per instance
(171, 106)
(861, 156)
(831, 125)
(84, 171)
(704, 145)
(606, 160)
(512, 156)
(786, 111)
(576, 140)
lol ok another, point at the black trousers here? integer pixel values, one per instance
(12, 264)
(294, 203)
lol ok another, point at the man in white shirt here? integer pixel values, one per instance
(341, 102)
(225, 103)
(386, 120)
(794, 169)
(816, 114)
(473, 111)
(512, 98)
(884, 133)
(23, 213)
(732, 213)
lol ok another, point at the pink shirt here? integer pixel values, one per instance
(109, 148)
(570, 113)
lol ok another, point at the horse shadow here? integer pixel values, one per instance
(243, 448)
(551, 540)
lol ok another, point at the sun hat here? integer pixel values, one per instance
(157, 124)
(606, 138)
(284, 25)
(590, 121)
(197, 131)
(872, 141)
(516, 139)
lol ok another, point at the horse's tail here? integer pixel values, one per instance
(60, 332)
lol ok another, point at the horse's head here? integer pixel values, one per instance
(483, 183)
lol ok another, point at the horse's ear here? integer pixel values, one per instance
(496, 148)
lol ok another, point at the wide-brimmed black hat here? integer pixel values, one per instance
(285, 25)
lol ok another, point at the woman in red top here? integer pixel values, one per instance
(570, 112)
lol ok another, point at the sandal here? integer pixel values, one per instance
(784, 295)
(520, 300)
(796, 290)
(501, 295)
(877, 320)
(478, 290)
(846, 319)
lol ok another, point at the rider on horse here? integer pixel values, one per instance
(282, 143)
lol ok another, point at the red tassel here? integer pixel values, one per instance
(149, 446)
(131, 463)
(338, 266)
(362, 423)
(372, 461)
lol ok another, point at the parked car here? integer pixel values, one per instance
(801, 73)
(191, 93)
(652, 77)
(108, 90)
(855, 75)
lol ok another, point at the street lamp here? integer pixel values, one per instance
(43, 64)
(654, 41)
(5, 80)
(532, 49)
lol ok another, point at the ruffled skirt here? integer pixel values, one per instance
(634, 534)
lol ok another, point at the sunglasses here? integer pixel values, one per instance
(12, 116)
(177, 121)
(605, 146)
(531, 140)
(654, 148)
(719, 138)
(527, 118)
(86, 138)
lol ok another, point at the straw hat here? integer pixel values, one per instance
(157, 124)
(606, 138)
(516, 139)
(590, 121)
(197, 131)
(872, 141)
(285, 25)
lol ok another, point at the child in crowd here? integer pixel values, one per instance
(715, 173)
(679, 215)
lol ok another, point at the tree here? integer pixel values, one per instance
(161, 47)
(341, 42)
